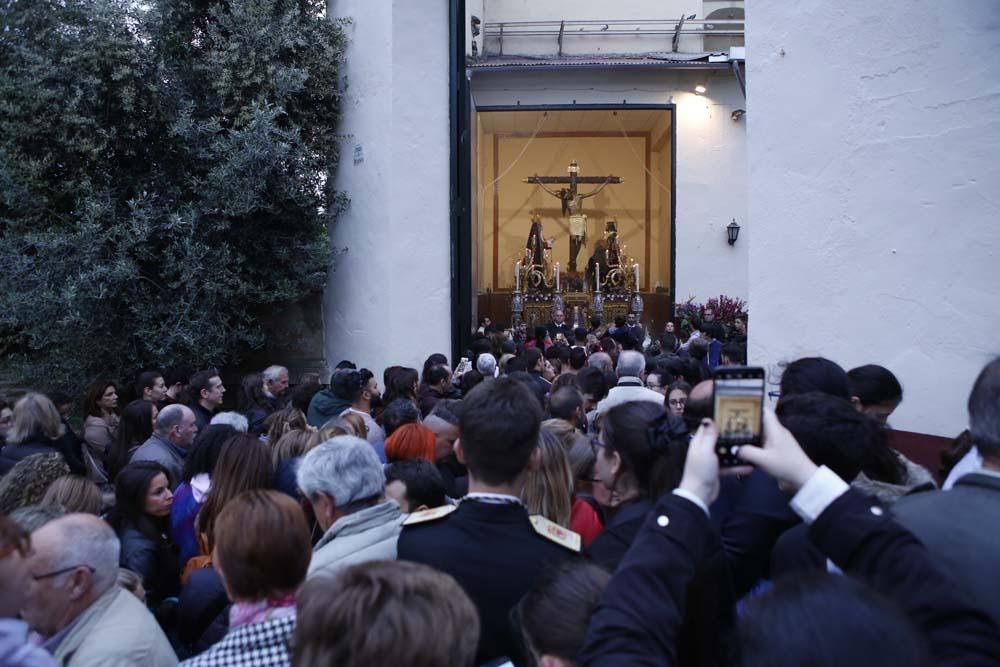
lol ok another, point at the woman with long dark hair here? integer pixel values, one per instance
(253, 402)
(141, 519)
(134, 428)
(402, 382)
(100, 428)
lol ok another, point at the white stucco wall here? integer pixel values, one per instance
(389, 300)
(711, 157)
(874, 158)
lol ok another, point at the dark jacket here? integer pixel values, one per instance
(202, 611)
(153, 560)
(494, 553)
(202, 417)
(639, 618)
(709, 595)
(427, 398)
(959, 527)
(324, 406)
(69, 445)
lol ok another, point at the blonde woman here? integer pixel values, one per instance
(38, 429)
(548, 491)
(74, 494)
(294, 443)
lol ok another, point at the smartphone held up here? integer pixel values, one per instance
(737, 409)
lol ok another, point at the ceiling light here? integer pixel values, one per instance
(700, 88)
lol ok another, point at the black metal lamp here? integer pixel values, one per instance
(733, 232)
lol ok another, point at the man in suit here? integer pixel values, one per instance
(959, 526)
(559, 325)
(488, 543)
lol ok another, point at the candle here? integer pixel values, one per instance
(636, 276)
(517, 276)
(557, 276)
(597, 277)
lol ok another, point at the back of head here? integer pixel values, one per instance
(234, 419)
(245, 463)
(548, 490)
(410, 441)
(347, 385)
(984, 412)
(74, 494)
(423, 482)
(814, 374)
(469, 381)
(831, 431)
(650, 444)
(398, 412)
(486, 364)
(26, 482)
(169, 417)
(344, 468)
(345, 364)
(715, 330)
(577, 358)
(35, 416)
(601, 360)
(499, 425)
(33, 517)
(591, 380)
(699, 404)
(262, 545)
(554, 615)
(631, 364)
(827, 621)
(385, 612)
(565, 403)
(874, 385)
(204, 453)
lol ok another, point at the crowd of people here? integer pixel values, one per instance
(554, 498)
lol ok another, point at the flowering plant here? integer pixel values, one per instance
(726, 310)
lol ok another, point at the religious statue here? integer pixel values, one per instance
(572, 202)
(597, 266)
(535, 245)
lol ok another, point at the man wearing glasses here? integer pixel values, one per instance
(73, 599)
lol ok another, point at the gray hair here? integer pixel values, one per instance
(272, 373)
(33, 517)
(344, 468)
(487, 365)
(87, 540)
(445, 409)
(169, 417)
(234, 419)
(631, 364)
(600, 360)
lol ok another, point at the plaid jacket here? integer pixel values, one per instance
(255, 645)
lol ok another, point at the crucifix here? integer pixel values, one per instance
(572, 202)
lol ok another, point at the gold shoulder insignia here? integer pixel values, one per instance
(429, 515)
(553, 531)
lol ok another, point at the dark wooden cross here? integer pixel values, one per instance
(571, 198)
(572, 202)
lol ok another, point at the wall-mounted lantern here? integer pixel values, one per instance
(733, 232)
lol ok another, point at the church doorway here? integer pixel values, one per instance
(569, 203)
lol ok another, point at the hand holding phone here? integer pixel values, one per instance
(738, 403)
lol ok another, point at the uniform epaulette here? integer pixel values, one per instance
(553, 531)
(429, 515)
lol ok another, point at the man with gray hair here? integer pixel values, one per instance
(74, 602)
(275, 385)
(344, 482)
(172, 436)
(631, 373)
(234, 419)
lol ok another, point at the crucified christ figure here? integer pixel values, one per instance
(572, 202)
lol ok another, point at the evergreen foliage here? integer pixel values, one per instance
(162, 178)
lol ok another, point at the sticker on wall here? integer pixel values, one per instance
(359, 154)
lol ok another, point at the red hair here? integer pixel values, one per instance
(410, 441)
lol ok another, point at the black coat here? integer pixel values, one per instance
(640, 615)
(202, 611)
(69, 445)
(709, 597)
(494, 553)
(153, 560)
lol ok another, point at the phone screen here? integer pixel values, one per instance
(738, 404)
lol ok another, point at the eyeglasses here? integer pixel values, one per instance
(39, 577)
(677, 402)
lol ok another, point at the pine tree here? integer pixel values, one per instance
(162, 178)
